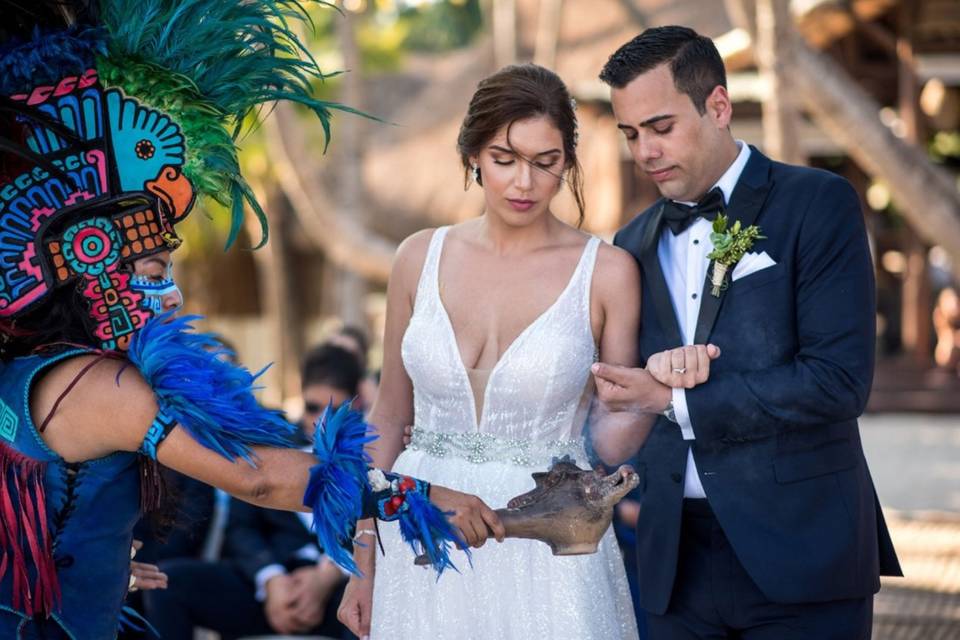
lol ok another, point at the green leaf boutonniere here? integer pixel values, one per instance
(729, 245)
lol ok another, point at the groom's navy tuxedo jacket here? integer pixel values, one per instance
(777, 445)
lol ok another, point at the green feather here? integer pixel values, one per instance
(209, 64)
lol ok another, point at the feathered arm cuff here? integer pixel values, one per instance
(197, 387)
(343, 489)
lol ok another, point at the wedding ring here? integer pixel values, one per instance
(681, 370)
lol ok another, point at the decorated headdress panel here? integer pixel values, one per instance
(114, 124)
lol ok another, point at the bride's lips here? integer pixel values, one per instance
(521, 205)
(661, 174)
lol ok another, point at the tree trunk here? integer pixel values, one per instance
(780, 113)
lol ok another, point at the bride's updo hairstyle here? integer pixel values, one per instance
(519, 92)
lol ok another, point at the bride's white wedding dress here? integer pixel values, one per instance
(533, 409)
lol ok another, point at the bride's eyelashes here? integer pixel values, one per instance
(540, 165)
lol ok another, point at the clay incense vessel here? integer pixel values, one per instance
(570, 508)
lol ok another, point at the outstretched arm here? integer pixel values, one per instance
(111, 408)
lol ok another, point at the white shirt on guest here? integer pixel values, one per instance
(683, 259)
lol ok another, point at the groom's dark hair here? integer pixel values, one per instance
(695, 63)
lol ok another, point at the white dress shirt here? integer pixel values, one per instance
(683, 259)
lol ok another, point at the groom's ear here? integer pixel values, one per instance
(719, 107)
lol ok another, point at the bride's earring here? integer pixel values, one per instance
(475, 172)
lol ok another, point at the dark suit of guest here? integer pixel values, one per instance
(777, 447)
(257, 537)
(221, 596)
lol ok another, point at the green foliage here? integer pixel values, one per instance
(441, 26)
(729, 246)
(945, 147)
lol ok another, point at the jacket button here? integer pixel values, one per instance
(676, 476)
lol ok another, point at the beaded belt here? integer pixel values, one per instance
(484, 447)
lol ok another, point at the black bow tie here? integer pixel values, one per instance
(680, 216)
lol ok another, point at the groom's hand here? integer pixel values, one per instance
(471, 515)
(683, 367)
(629, 389)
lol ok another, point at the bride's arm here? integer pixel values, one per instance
(617, 435)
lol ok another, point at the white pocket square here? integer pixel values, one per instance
(751, 263)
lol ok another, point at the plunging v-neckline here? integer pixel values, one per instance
(465, 376)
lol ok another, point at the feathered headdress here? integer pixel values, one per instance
(114, 123)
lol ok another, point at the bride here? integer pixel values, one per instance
(492, 326)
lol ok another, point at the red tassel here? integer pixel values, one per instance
(24, 537)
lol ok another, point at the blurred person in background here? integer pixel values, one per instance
(355, 340)
(946, 323)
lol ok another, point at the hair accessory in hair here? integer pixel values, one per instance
(576, 123)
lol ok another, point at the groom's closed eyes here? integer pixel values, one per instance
(660, 125)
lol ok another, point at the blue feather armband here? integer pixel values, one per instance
(338, 482)
(343, 489)
(197, 386)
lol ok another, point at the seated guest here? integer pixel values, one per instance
(273, 577)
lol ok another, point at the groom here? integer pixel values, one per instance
(759, 517)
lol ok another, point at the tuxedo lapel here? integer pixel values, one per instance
(745, 204)
(662, 303)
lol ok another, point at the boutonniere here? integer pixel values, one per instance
(729, 246)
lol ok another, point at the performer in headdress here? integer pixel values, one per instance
(115, 116)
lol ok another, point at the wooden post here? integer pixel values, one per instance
(917, 306)
(917, 310)
(780, 113)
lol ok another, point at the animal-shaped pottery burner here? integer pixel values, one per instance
(570, 508)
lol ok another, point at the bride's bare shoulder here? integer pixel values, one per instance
(616, 269)
(409, 260)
